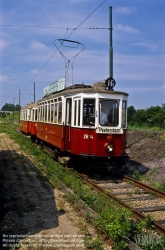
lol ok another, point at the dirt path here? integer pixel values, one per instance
(32, 210)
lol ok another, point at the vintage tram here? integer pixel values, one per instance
(81, 121)
(28, 120)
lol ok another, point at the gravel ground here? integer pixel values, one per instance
(146, 152)
(34, 214)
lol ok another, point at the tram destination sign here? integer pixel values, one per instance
(105, 130)
(54, 87)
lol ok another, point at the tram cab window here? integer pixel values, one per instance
(109, 113)
(89, 112)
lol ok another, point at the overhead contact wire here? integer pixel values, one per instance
(60, 45)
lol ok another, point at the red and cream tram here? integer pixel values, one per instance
(88, 121)
(28, 119)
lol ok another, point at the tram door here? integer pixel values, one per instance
(68, 124)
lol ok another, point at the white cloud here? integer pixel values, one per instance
(151, 46)
(38, 45)
(34, 71)
(4, 44)
(126, 9)
(139, 68)
(145, 89)
(127, 29)
(3, 78)
(77, 1)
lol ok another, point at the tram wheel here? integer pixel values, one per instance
(41, 145)
(56, 154)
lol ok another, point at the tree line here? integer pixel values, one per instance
(11, 107)
(153, 116)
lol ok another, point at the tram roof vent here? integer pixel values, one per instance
(99, 85)
(79, 86)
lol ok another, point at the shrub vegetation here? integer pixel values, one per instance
(150, 117)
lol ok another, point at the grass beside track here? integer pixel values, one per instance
(113, 221)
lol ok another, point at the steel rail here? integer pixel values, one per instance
(138, 215)
(142, 185)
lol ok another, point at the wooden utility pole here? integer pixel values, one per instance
(34, 93)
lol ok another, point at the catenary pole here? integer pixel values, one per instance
(110, 42)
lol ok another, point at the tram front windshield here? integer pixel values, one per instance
(109, 113)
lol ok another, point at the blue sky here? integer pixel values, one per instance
(28, 30)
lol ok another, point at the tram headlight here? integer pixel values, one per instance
(108, 147)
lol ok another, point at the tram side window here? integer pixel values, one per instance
(25, 114)
(124, 114)
(69, 111)
(79, 112)
(52, 111)
(75, 112)
(39, 113)
(77, 109)
(42, 113)
(33, 114)
(89, 112)
(55, 114)
(60, 113)
(45, 113)
(48, 112)
(36, 111)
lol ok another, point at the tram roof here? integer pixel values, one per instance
(98, 87)
(30, 105)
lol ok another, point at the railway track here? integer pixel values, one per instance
(140, 198)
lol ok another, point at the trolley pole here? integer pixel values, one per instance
(110, 42)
